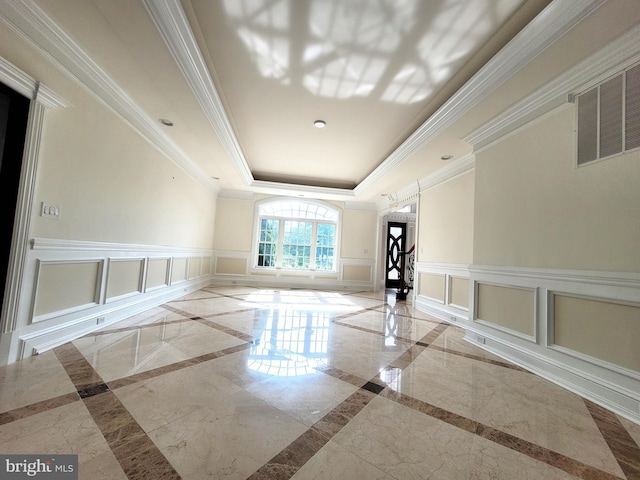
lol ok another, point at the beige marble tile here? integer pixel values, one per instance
(31, 380)
(157, 315)
(63, 430)
(360, 353)
(490, 461)
(235, 367)
(542, 413)
(166, 398)
(407, 444)
(101, 467)
(333, 461)
(127, 353)
(307, 398)
(390, 324)
(453, 338)
(202, 308)
(230, 439)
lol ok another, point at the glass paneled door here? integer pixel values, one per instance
(396, 233)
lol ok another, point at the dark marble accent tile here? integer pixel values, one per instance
(292, 458)
(179, 311)
(79, 370)
(422, 344)
(624, 448)
(38, 407)
(234, 349)
(137, 454)
(149, 464)
(115, 422)
(233, 312)
(555, 459)
(404, 360)
(441, 414)
(343, 413)
(156, 372)
(93, 390)
(430, 337)
(373, 387)
(228, 330)
(342, 375)
(136, 327)
(479, 358)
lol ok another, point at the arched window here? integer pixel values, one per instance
(296, 234)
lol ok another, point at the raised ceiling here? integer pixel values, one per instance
(244, 80)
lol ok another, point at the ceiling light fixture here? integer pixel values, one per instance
(446, 157)
(165, 122)
(319, 124)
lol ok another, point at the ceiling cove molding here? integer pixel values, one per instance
(174, 28)
(281, 188)
(553, 22)
(618, 55)
(45, 35)
(454, 169)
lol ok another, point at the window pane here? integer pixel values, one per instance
(296, 246)
(324, 249)
(268, 244)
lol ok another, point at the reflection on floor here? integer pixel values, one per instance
(240, 382)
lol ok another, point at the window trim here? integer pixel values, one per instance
(278, 267)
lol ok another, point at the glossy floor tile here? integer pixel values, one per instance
(235, 382)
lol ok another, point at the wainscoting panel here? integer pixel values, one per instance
(157, 273)
(586, 328)
(235, 268)
(66, 286)
(512, 309)
(78, 287)
(442, 290)
(433, 286)
(597, 330)
(124, 277)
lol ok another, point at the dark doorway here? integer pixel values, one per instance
(14, 114)
(396, 233)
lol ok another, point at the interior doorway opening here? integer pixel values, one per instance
(14, 115)
(399, 242)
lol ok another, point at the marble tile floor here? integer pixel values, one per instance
(235, 382)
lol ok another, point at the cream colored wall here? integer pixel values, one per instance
(359, 234)
(234, 224)
(446, 222)
(534, 208)
(109, 183)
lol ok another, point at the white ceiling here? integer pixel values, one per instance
(243, 81)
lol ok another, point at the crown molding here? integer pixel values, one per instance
(29, 87)
(237, 194)
(302, 189)
(37, 28)
(174, 28)
(623, 52)
(553, 22)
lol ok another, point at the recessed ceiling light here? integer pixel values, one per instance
(166, 123)
(446, 157)
(319, 124)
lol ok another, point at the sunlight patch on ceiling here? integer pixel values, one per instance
(353, 46)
